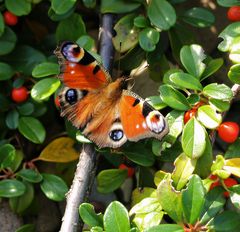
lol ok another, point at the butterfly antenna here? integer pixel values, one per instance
(138, 70)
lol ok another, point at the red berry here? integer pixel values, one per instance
(189, 114)
(9, 18)
(233, 13)
(229, 182)
(228, 131)
(130, 170)
(19, 94)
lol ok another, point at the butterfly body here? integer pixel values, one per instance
(106, 112)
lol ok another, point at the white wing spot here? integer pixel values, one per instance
(155, 121)
(137, 126)
(144, 125)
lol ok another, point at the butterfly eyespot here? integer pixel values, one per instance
(71, 96)
(116, 135)
(155, 122)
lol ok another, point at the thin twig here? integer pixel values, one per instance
(236, 90)
(86, 167)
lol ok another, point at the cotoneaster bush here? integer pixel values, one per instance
(183, 197)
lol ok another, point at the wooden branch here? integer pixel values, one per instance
(86, 167)
(236, 90)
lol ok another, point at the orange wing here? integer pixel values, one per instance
(79, 69)
(139, 119)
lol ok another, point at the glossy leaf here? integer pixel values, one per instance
(26, 108)
(6, 71)
(191, 58)
(185, 81)
(44, 88)
(7, 41)
(209, 117)
(110, 180)
(32, 129)
(7, 155)
(18, 7)
(11, 188)
(126, 33)
(234, 74)
(140, 194)
(30, 175)
(214, 202)
(193, 199)
(232, 166)
(53, 187)
(184, 167)
(219, 105)
(233, 150)
(12, 119)
(198, 17)
(21, 203)
(89, 3)
(2, 24)
(45, 69)
(212, 66)
(141, 21)
(86, 42)
(173, 208)
(18, 157)
(62, 6)
(165, 228)
(148, 38)
(193, 139)
(57, 17)
(173, 98)
(227, 221)
(228, 3)
(70, 28)
(156, 102)
(119, 7)
(60, 150)
(88, 215)
(218, 91)
(161, 14)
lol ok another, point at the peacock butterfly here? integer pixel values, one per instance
(105, 111)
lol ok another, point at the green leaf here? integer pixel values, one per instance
(19, 204)
(184, 167)
(219, 105)
(161, 14)
(193, 139)
(173, 98)
(2, 24)
(193, 199)
(191, 58)
(233, 150)
(198, 17)
(25, 58)
(17, 160)
(70, 28)
(119, 7)
(45, 69)
(89, 3)
(141, 21)
(56, 17)
(214, 203)
(148, 38)
(53, 187)
(218, 91)
(12, 119)
(165, 228)
(44, 88)
(89, 216)
(6, 71)
(234, 73)
(7, 155)
(18, 7)
(230, 36)
(185, 81)
(7, 41)
(156, 102)
(26, 228)
(86, 42)
(11, 188)
(139, 154)
(172, 207)
(26, 108)
(30, 175)
(110, 180)
(116, 218)
(204, 163)
(62, 6)
(212, 66)
(32, 129)
(228, 3)
(126, 33)
(209, 117)
(227, 221)
(147, 205)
